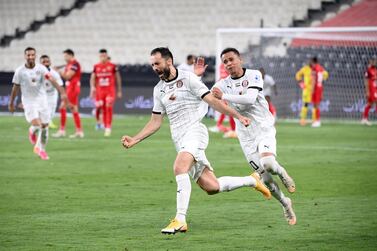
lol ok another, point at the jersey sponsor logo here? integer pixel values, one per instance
(238, 84)
(245, 83)
(179, 83)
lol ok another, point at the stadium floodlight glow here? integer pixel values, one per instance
(344, 51)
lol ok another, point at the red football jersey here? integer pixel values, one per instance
(74, 65)
(105, 75)
(317, 74)
(371, 75)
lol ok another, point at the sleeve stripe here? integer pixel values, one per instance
(255, 87)
(156, 112)
(205, 94)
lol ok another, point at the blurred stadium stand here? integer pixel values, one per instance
(129, 29)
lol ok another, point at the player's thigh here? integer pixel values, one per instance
(31, 112)
(306, 96)
(267, 146)
(208, 181)
(109, 99)
(73, 99)
(183, 162)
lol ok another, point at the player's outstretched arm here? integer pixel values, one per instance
(13, 95)
(222, 108)
(248, 98)
(58, 87)
(150, 128)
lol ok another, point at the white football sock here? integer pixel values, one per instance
(183, 195)
(228, 183)
(274, 188)
(44, 138)
(34, 129)
(39, 138)
(270, 164)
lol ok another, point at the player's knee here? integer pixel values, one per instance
(268, 163)
(213, 189)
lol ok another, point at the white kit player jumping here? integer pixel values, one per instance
(243, 90)
(51, 91)
(180, 95)
(30, 78)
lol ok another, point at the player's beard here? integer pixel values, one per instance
(165, 74)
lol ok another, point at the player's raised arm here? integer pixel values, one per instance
(13, 95)
(150, 128)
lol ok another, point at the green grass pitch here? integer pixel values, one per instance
(94, 195)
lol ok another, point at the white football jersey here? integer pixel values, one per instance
(32, 83)
(50, 89)
(269, 82)
(181, 100)
(261, 118)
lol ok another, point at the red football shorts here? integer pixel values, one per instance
(106, 97)
(73, 95)
(317, 94)
(372, 96)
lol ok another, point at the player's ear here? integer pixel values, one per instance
(169, 61)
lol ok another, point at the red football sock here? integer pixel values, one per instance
(220, 121)
(232, 123)
(272, 108)
(366, 111)
(63, 118)
(109, 116)
(318, 114)
(76, 118)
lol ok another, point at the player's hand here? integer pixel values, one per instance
(217, 93)
(200, 67)
(244, 120)
(119, 94)
(11, 107)
(128, 141)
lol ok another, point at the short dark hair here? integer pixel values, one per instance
(190, 57)
(230, 49)
(69, 52)
(102, 51)
(164, 51)
(314, 59)
(44, 56)
(29, 49)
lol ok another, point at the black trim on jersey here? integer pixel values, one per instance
(255, 87)
(156, 112)
(205, 94)
(175, 78)
(243, 74)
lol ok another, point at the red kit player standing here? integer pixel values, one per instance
(370, 89)
(319, 74)
(71, 74)
(102, 83)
